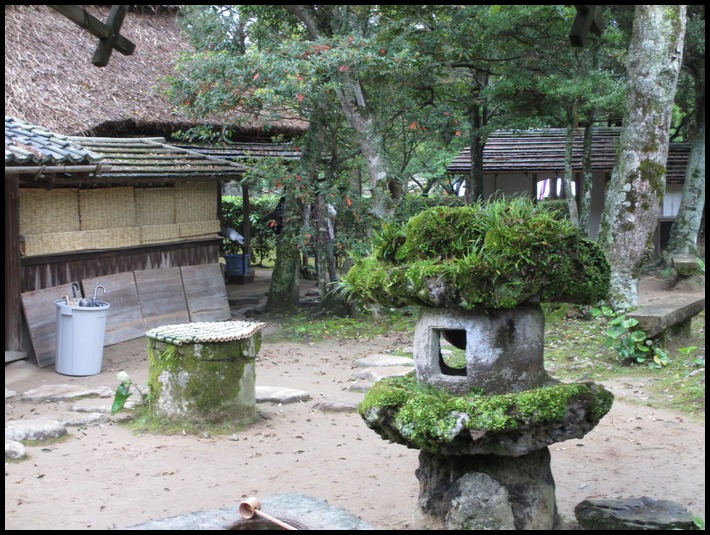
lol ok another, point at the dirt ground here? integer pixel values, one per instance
(106, 477)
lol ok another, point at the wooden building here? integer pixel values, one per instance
(82, 208)
(107, 191)
(532, 162)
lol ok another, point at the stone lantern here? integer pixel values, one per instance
(478, 275)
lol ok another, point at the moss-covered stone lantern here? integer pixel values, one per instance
(478, 275)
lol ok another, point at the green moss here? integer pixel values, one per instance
(48, 441)
(495, 254)
(654, 173)
(426, 416)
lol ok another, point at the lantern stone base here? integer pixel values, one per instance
(488, 492)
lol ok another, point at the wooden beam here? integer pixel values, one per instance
(109, 34)
(106, 46)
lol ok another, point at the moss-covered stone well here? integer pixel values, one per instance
(204, 372)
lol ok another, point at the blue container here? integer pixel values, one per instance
(237, 264)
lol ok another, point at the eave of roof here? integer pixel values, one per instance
(27, 144)
(543, 151)
(245, 152)
(152, 160)
(145, 161)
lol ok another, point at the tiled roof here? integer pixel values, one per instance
(31, 144)
(543, 151)
(151, 160)
(118, 160)
(244, 152)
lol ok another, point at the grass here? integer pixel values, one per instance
(312, 326)
(144, 423)
(574, 350)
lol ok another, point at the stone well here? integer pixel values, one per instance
(204, 372)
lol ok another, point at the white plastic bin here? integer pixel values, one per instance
(80, 338)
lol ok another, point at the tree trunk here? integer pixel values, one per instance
(283, 292)
(567, 177)
(634, 196)
(386, 190)
(684, 231)
(474, 182)
(585, 186)
(687, 225)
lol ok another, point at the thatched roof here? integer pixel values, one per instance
(50, 80)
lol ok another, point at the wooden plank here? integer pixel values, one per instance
(162, 297)
(41, 316)
(12, 356)
(125, 318)
(206, 293)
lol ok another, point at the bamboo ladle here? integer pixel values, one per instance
(252, 506)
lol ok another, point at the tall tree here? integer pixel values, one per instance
(634, 196)
(686, 226)
(555, 84)
(325, 22)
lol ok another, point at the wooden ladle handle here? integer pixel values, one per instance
(252, 506)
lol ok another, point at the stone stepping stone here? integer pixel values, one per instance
(101, 405)
(343, 403)
(275, 394)
(14, 450)
(83, 419)
(633, 514)
(65, 392)
(369, 376)
(380, 360)
(380, 372)
(37, 429)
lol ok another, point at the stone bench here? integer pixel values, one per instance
(672, 314)
(685, 266)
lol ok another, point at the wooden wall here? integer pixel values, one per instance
(41, 272)
(16, 338)
(29, 274)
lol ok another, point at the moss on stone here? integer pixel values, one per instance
(426, 416)
(208, 382)
(495, 254)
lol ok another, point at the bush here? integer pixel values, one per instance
(262, 236)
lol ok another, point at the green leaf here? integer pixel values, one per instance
(615, 331)
(630, 322)
(638, 336)
(120, 398)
